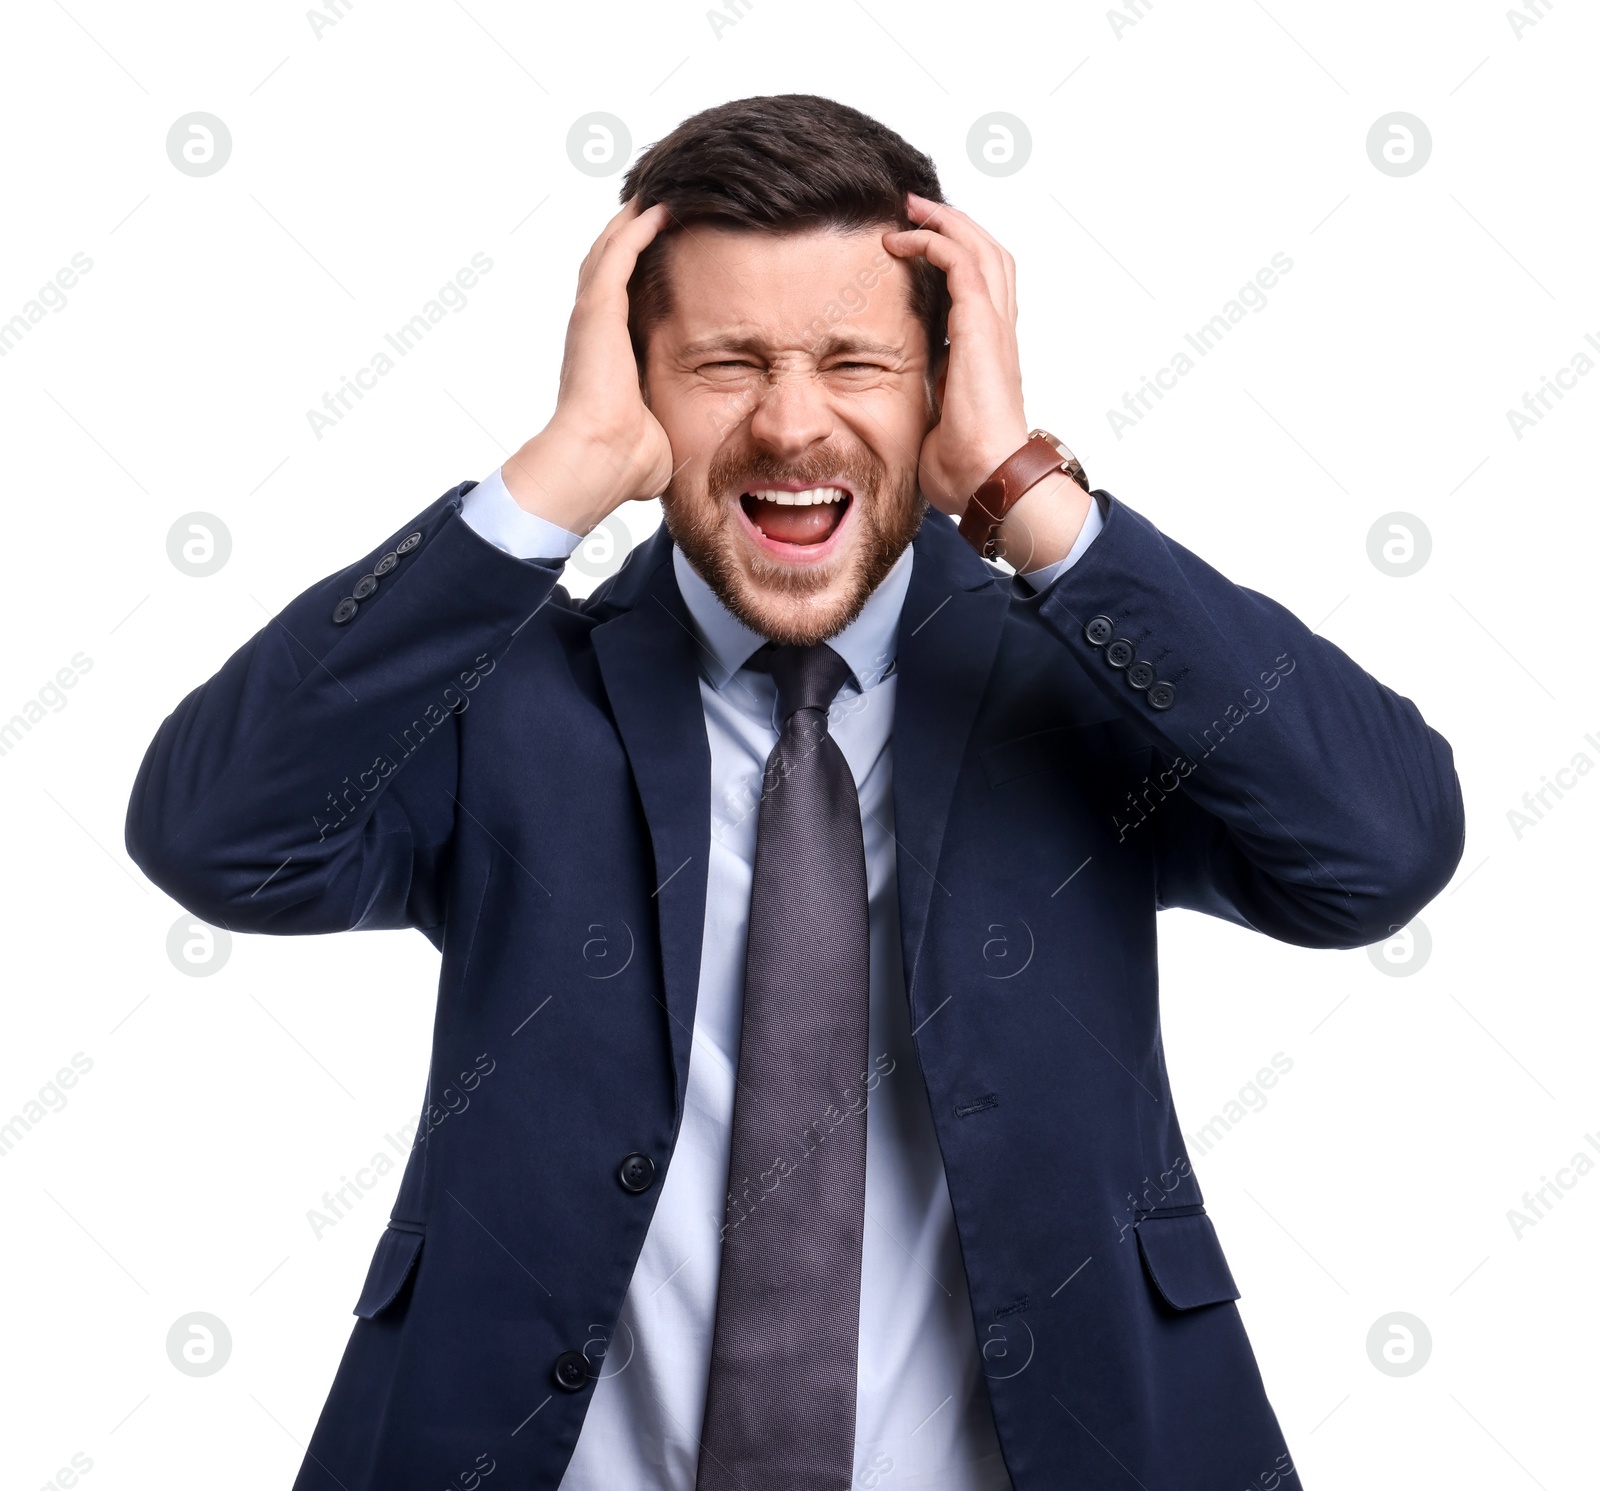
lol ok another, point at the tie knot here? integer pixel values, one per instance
(807, 677)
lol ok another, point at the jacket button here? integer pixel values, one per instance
(1099, 630)
(1120, 653)
(408, 543)
(387, 563)
(1141, 675)
(1162, 696)
(637, 1173)
(364, 587)
(572, 1371)
(344, 611)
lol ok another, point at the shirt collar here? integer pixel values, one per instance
(867, 644)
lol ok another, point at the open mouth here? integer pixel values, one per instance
(790, 519)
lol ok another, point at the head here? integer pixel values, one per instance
(793, 362)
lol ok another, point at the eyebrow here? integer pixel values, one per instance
(828, 346)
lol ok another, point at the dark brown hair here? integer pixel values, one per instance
(785, 163)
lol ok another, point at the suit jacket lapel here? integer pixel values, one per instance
(950, 631)
(648, 662)
(949, 634)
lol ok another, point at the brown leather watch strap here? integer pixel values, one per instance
(1023, 468)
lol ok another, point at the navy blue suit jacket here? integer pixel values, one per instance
(477, 755)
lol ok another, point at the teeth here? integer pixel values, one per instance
(806, 498)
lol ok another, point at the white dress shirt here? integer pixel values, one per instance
(922, 1411)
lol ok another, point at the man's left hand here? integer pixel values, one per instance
(979, 390)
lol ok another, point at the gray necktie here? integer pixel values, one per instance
(781, 1399)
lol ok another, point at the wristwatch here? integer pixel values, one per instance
(1023, 468)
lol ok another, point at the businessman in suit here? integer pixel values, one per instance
(797, 1115)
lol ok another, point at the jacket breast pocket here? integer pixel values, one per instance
(1184, 1259)
(392, 1262)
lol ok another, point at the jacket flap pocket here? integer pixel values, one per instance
(1184, 1260)
(392, 1262)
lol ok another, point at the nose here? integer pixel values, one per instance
(791, 414)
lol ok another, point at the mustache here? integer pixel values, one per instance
(738, 474)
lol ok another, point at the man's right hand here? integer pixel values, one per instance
(602, 447)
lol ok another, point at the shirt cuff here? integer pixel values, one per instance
(494, 514)
(1042, 579)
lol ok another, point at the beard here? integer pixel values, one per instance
(794, 605)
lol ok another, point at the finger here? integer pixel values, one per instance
(628, 210)
(1007, 264)
(617, 251)
(630, 217)
(965, 275)
(961, 227)
(1002, 258)
(629, 213)
(999, 269)
(944, 217)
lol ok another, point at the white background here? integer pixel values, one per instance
(369, 163)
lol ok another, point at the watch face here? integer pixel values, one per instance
(1060, 447)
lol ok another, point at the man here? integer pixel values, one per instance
(797, 1112)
